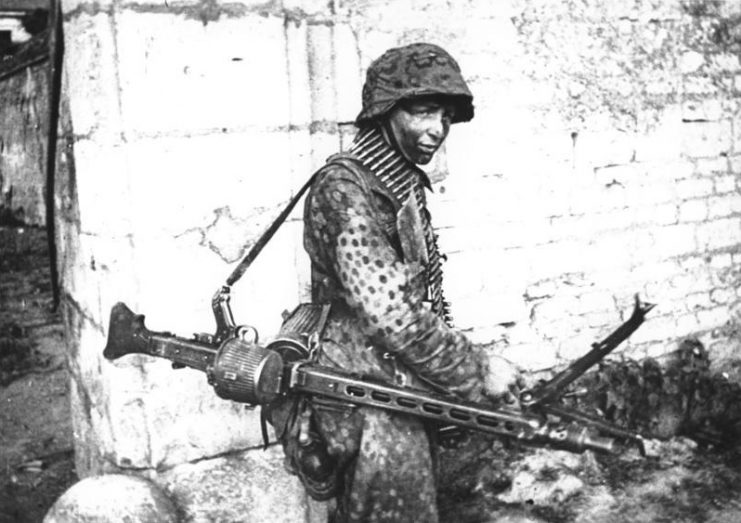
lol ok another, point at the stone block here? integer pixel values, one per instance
(719, 234)
(180, 76)
(91, 76)
(702, 139)
(103, 189)
(251, 484)
(113, 498)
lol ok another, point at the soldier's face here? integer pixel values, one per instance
(420, 127)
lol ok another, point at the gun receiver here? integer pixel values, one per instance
(241, 370)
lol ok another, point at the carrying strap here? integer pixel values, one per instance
(240, 269)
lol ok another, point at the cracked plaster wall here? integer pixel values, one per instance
(604, 160)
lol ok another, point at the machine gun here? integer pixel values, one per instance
(242, 370)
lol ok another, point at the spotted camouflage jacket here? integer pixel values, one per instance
(380, 325)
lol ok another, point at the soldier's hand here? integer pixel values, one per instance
(503, 379)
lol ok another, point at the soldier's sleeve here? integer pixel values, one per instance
(377, 284)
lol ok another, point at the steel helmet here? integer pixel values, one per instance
(410, 71)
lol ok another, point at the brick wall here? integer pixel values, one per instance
(604, 160)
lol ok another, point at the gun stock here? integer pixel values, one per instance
(127, 334)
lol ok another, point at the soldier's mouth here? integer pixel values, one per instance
(427, 149)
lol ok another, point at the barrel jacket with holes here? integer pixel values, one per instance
(379, 326)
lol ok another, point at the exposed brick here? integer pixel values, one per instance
(719, 234)
(687, 325)
(693, 210)
(655, 329)
(725, 184)
(711, 166)
(722, 260)
(712, 318)
(701, 139)
(702, 110)
(735, 165)
(674, 240)
(722, 296)
(694, 188)
(699, 300)
(670, 170)
(722, 206)
(599, 301)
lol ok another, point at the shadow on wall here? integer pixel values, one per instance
(9, 216)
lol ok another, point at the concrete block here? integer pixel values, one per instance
(693, 210)
(180, 76)
(702, 139)
(719, 233)
(91, 77)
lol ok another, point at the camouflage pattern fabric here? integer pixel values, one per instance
(380, 326)
(414, 70)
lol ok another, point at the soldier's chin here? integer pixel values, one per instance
(423, 158)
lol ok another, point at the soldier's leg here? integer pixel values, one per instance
(392, 478)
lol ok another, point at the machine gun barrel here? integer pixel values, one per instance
(527, 428)
(553, 389)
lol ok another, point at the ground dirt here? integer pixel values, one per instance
(693, 476)
(36, 457)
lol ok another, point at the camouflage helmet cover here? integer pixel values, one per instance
(414, 70)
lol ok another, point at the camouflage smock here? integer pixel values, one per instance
(379, 326)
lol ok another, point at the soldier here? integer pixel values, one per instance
(375, 260)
